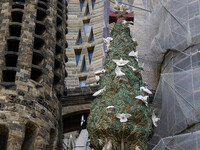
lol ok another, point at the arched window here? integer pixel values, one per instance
(52, 139)
(3, 137)
(30, 135)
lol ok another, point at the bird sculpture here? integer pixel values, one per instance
(133, 54)
(135, 42)
(143, 99)
(107, 41)
(121, 62)
(123, 117)
(100, 142)
(145, 90)
(118, 72)
(126, 23)
(155, 120)
(134, 69)
(137, 148)
(97, 78)
(99, 92)
(82, 120)
(99, 72)
(108, 145)
(119, 7)
(110, 109)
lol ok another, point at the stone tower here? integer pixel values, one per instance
(32, 45)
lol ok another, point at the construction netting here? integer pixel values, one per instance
(177, 100)
(173, 24)
(170, 36)
(180, 104)
(189, 141)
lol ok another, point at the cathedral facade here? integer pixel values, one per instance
(51, 49)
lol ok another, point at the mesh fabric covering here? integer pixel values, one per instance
(178, 97)
(173, 24)
(188, 141)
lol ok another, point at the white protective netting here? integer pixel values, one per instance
(173, 27)
(177, 99)
(173, 24)
(188, 141)
(180, 101)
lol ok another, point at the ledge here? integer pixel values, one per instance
(79, 95)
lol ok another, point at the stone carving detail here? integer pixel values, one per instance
(85, 37)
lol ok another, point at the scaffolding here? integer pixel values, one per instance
(171, 37)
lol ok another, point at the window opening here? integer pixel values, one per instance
(82, 81)
(15, 30)
(84, 68)
(79, 40)
(9, 75)
(36, 74)
(37, 59)
(77, 55)
(17, 16)
(13, 45)
(11, 60)
(30, 135)
(90, 53)
(3, 137)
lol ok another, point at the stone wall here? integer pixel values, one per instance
(32, 46)
(85, 37)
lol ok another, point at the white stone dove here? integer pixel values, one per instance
(141, 67)
(123, 117)
(99, 92)
(121, 62)
(155, 119)
(121, 7)
(136, 70)
(110, 109)
(107, 41)
(137, 148)
(97, 78)
(145, 90)
(108, 145)
(99, 72)
(143, 99)
(126, 23)
(135, 42)
(118, 72)
(133, 54)
(82, 120)
(100, 142)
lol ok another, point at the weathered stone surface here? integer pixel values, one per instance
(76, 21)
(32, 42)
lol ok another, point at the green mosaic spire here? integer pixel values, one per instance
(118, 98)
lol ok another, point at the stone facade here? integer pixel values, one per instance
(85, 37)
(32, 44)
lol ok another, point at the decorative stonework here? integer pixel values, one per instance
(85, 38)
